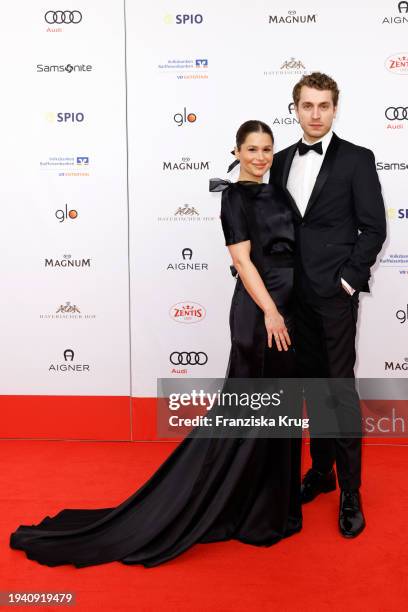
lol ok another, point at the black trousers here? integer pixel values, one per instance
(325, 332)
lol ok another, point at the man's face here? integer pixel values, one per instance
(315, 112)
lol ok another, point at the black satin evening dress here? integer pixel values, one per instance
(209, 489)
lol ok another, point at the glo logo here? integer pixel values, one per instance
(184, 19)
(184, 117)
(63, 214)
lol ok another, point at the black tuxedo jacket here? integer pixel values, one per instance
(344, 227)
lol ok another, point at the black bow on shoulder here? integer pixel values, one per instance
(217, 184)
(303, 148)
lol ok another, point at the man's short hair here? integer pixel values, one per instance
(316, 80)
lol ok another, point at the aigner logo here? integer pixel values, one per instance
(184, 117)
(187, 312)
(187, 253)
(188, 358)
(402, 8)
(61, 17)
(69, 367)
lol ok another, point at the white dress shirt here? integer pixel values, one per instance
(302, 177)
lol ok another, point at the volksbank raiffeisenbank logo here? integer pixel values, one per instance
(195, 68)
(64, 68)
(72, 165)
(292, 17)
(395, 260)
(185, 19)
(400, 16)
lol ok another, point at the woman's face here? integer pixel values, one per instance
(255, 156)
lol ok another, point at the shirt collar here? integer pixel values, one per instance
(325, 140)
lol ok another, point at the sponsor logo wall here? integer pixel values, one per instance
(102, 151)
(66, 323)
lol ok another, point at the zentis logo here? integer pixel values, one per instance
(187, 312)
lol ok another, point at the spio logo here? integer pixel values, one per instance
(183, 19)
(188, 358)
(397, 113)
(64, 117)
(398, 63)
(397, 213)
(402, 315)
(61, 17)
(187, 312)
(64, 214)
(403, 7)
(184, 117)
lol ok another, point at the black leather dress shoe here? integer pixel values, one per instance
(314, 483)
(351, 517)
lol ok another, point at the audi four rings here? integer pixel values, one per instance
(397, 112)
(60, 17)
(188, 358)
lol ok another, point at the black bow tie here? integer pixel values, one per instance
(303, 148)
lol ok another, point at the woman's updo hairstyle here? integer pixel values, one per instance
(251, 126)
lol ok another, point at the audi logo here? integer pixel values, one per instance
(397, 113)
(184, 358)
(63, 17)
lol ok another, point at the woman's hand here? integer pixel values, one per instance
(276, 328)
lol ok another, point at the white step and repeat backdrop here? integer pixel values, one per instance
(114, 117)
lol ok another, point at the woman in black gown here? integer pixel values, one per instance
(211, 489)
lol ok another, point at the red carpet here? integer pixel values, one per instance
(311, 571)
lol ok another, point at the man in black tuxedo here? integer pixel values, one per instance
(333, 188)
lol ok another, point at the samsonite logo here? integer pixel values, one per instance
(187, 312)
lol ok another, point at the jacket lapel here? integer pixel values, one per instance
(286, 169)
(325, 170)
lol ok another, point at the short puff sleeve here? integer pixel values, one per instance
(233, 217)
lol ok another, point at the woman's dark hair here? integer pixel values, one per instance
(251, 126)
